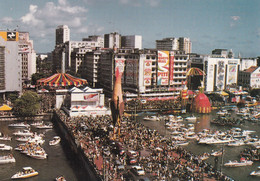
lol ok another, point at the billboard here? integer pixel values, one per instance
(91, 97)
(232, 74)
(163, 68)
(147, 72)
(9, 35)
(171, 67)
(220, 75)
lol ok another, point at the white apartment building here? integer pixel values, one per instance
(185, 45)
(220, 72)
(131, 41)
(62, 34)
(28, 55)
(181, 44)
(246, 63)
(112, 40)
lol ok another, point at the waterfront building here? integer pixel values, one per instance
(250, 77)
(10, 63)
(220, 73)
(86, 101)
(28, 56)
(112, 40)
(131, 41)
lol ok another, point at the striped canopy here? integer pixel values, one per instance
(194, 71)
(61, 79)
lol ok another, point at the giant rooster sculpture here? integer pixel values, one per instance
(117, 104)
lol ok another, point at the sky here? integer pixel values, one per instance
(210, 24)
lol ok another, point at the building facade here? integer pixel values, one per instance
(28, 56)
(10, 63)
(250, 77)
(62, 34)
(112, 40)
(181, 44)
(131, 41)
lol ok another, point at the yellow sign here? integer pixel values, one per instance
(9, 35)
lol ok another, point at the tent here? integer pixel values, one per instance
(61, 79)
(5, 108)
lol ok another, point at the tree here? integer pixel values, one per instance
(36, 77)
(27, 105)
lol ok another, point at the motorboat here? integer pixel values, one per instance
(39, 154)
(191, 118)
(217, 153)
(223, 113)
(236, 143)
(5, 138)
(44, 126)
(4, 147)
(56, 140)
(204, 156)
(255, 173)
(60, 178)
(24, 132)
(19, 125)
(7, 159)
(235, 163)
(25, 173)
(38, 123)
(151, 118)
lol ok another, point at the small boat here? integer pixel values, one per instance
(56, 140)
(60, 178)
(44, 126)
(151, 118)
(24, 132)
(236, 143)
(5, 138)
(37, 123)
(19, 125)
(204, 156)
(255, 173)
(235, 163)
(7, 159)
(217, 153)
(25, 173)
(4, 147)
(39, 154)
(191, 118)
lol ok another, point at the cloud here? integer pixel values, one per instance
(138, 3)
(234, 20)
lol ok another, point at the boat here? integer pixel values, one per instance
(191, 118)
(60, 178)
(223, 113)
(204, 156)
(37, 123)
(235, 163)
(255, 173)
(151, 118)
(236, 143)
(39, 154)
(55, 141)
(4, 147)
(19, 125)
(24, 132)
(44, 126)
(7, 159)
(217, 153)
(5, 138)
(25, 173)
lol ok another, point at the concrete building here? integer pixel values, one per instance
(250, 77)
(62, 34)
(220, 73)
(28, 56)
(181, 44)
(10, 63)
(246, 63)
(94, 41)
(167, 44)
(112, 40)
(131, 41)
(185, 45)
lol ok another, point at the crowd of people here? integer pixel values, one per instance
(156, 154)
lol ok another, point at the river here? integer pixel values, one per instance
(230, 153)
(60, 160)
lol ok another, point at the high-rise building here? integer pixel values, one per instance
(28, 56)
(131, 41)
(185, 45)
(167, 44)
(112, 40)
(10, 63)
(62, 34)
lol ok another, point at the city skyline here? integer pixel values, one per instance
(209, 24)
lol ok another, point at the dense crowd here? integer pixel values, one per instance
(157, 155)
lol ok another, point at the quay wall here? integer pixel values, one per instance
(39, 117)
(79, 153)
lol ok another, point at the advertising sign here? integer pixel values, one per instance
(163, 68)
(171, 67)
(220, 75)
(147, 72)
(232, 74)
(91, 97)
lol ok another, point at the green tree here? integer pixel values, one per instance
(36, 77)
(27, 105)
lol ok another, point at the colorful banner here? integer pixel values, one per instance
(221, 75)
(163, 68)
(147, 72)
(91, 97)
(171, 67)
(232, 74)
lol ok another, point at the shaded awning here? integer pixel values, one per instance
(5, 108)
(61, 79)
(194, 71)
